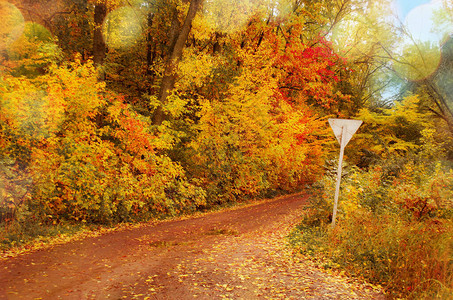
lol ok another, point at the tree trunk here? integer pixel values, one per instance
(169, 78)
(150, 53)
(99, 48)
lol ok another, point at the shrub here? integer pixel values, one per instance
(73, 151)
(392, 230)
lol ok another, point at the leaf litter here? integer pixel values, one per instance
(245, 256)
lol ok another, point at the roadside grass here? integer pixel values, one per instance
(15, 234)
(27, 234)
(396, 232)
(17, 238)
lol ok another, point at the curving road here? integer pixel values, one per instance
(231, 254)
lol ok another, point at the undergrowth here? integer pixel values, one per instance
(393, 229)
(25, 235)
(26, 232)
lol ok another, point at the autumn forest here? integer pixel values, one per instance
(124, 111)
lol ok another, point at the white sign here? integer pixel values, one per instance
(349, 127)
(343, 129)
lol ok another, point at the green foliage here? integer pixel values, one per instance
(32, 51)
(25, 233)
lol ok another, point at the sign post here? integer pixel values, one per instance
(343, 129)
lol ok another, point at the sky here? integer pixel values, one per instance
(405, 6)
(418, 16)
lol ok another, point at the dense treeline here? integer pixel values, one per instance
(178, 111)
(116, 111)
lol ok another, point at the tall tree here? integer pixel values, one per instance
(169, 77)
(437, 88)
(99, 47)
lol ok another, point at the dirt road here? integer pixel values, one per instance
(232, 254)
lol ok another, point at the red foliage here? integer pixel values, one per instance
(310, 74)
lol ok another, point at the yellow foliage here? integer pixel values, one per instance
(90, 157)
(394, 131)
(248, 141)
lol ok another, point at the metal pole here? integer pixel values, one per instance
(339, 169)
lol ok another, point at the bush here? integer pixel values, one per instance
(392, 230)
(74, 151)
